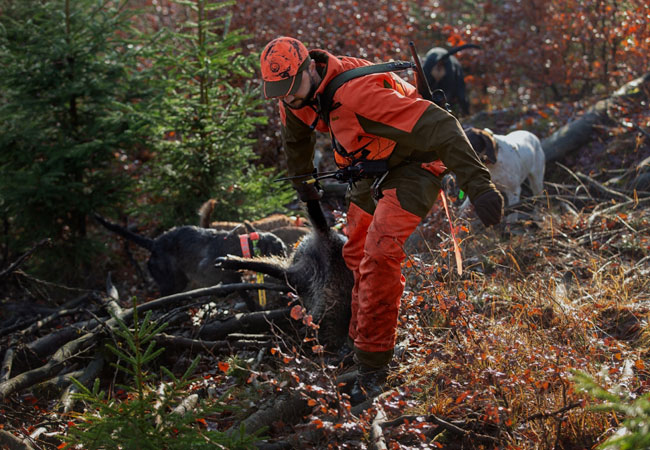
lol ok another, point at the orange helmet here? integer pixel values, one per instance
(281, 61)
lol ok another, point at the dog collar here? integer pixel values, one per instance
(243, 243)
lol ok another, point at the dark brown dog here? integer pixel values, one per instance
(183, 257)
(443, 71)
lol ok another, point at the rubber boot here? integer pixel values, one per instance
(369, 383)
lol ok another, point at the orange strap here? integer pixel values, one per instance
(245, 248)
(459, 259)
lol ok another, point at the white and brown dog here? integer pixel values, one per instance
(511, 159)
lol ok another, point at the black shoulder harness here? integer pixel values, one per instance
(325, 99)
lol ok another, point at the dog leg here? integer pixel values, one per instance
(513, 199)
(536, 179)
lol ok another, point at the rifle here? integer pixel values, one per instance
(438, 96)
(348, 174)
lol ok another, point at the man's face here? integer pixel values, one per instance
(305, 93)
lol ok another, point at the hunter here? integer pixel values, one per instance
(401, 145)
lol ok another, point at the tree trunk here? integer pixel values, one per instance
(577, 133)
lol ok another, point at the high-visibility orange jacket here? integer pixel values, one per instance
(380, 116)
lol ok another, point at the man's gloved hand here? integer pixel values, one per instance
(489, 207)
(309, 191)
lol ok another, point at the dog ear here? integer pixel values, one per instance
(489, 146)
(474, 137)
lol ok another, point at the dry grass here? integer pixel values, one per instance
(495, 349)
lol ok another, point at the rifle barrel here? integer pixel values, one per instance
(421, 81)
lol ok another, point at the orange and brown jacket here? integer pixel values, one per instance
(380, 117)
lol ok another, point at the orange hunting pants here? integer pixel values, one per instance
(374, 253)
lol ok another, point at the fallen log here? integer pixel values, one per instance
(577, 133)
(71, 348)
(288, 409)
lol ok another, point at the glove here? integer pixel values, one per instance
(309, 191)
(489, 207)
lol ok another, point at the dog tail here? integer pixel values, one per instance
(317, 216)
(205, 212)
(457, 49)
(139, 240)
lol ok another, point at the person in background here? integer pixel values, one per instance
(443, 71)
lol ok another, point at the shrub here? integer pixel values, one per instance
(67, 89)
(206, 116)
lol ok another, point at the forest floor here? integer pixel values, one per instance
(486, 359)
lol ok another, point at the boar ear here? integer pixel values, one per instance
(249, 227)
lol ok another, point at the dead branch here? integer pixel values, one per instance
(552, 413)
(64, 310)
(46, 345)
(7, 363)
(10, 441)
(22, 258)
(248, 337)
(86, 377)
(250, 323)
(601, 187)
(377, 440)
(58, 383)
(47, 320)
(188, 404)
(445, 424)
(113, 297)
(52, 367)
(214, 290)
(611, 209)
(210, 346)
(462, 431)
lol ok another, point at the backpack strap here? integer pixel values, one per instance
(326, 98)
